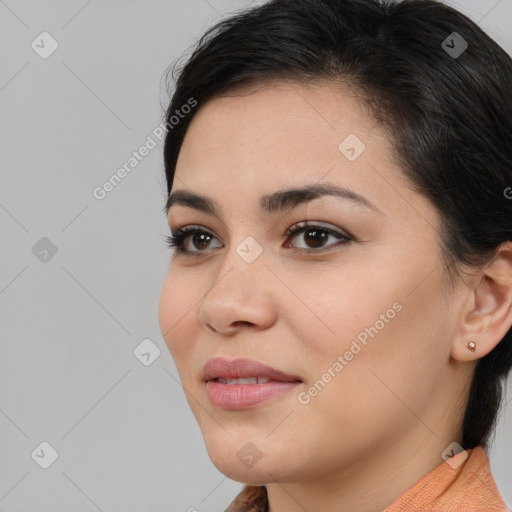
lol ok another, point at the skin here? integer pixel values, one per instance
(383, 421)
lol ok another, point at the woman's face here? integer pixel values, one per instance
(361, 322)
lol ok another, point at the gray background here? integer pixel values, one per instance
(125, 437)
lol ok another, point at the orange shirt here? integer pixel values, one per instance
(463, 484)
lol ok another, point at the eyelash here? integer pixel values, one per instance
(178, 236)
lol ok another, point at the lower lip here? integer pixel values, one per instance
(244, 396)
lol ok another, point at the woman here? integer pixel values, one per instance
(338, 303)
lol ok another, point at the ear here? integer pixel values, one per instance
(488, 314)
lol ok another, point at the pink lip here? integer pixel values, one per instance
(243, 396)
(239, 368)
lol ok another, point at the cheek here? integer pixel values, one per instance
(176, 315)
(337, 306)
(377, 323)
(393, 345)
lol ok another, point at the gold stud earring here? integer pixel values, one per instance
(472, 346)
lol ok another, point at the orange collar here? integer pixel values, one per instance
(464, 484)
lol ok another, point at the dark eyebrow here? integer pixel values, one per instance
(272, 203)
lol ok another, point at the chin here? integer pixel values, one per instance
(243, 461)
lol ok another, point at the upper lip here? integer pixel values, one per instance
(219, 367)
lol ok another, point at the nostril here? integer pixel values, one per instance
(242, 322)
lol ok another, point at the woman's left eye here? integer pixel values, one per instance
(316, 235)
(315, 238)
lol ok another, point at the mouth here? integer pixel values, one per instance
(244, 383)
(244, 380)
(243, 371)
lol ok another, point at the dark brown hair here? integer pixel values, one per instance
(446, 107)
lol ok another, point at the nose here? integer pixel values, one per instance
(241, 297)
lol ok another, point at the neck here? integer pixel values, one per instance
(371, 484)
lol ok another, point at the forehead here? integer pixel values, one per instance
(274, 127)
(281, 135)
(280, 105)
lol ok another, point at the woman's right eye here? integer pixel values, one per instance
(198, 237)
